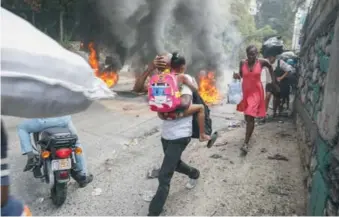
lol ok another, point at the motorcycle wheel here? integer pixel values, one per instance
(59, 193)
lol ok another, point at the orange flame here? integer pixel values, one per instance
(207, 88)
(111, 77)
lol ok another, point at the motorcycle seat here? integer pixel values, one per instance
(57, 135)
(56, 131)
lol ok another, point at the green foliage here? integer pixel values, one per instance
(245, 22)
(280, 15)
(47, 15)
(16, 5)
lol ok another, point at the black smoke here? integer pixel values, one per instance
(139, 29)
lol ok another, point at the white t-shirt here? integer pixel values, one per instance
(283, 65)
(181, 127)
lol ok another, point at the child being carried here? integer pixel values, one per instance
(165, 92)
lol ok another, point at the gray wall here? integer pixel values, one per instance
(317, 104)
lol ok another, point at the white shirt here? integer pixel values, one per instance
(181, 127)
(283, 65)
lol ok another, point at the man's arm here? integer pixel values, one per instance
(286, 68)
(140, 81)
(186, 100)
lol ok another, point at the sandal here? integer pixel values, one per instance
(244, 148)
(211, 142)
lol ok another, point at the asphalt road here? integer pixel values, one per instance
(122, 142)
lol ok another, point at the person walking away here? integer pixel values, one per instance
(175, 136)
(280, 70)
(29, 126)
(253, 102)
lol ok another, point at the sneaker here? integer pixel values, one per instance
(212, 140)
(244, 148)
(148, 196)
(31, 163)
(88, 179)
(192, 182)
(82, 180)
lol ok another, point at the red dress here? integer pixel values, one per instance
(253, 102)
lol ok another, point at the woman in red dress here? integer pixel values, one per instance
(253, 102)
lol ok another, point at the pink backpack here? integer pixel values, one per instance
(163, 92)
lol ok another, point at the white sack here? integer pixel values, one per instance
(234, 92)
(39, 78)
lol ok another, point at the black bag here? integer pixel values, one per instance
(273, 46)
(196, 99)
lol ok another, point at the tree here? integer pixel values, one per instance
(22, 8)
(46, 9)
(63, 7)
(34, 4)
(245, 22)
(279, 15)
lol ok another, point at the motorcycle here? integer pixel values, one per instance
(56, 161)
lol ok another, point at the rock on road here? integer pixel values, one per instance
(122, 142)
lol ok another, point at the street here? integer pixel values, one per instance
(121, 138)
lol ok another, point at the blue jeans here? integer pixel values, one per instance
(13, 207)
(37, 125)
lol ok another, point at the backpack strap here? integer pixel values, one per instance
(277, 70)
(278, 64)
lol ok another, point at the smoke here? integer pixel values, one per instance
(201, 30)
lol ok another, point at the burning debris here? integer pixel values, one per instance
(207, 88)
(109, 74)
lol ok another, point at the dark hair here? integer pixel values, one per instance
(177, 60)
(250, 47)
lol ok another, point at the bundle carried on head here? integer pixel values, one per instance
(288, 55)
(273, 46)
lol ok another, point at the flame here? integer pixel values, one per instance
(109, 77)
(207, 88)
(93, 59)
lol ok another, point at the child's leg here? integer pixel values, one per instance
(200, 109)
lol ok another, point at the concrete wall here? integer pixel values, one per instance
(316, 106)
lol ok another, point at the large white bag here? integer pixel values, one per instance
(39, 78)
(234, 92)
